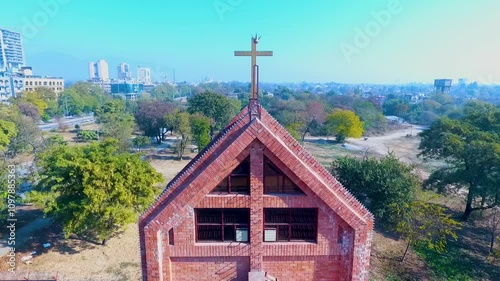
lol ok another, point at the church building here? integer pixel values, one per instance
(255, 205)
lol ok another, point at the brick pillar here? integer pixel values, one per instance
(256, 203)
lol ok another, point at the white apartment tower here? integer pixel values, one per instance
(11, 50)
(98, 70)
(144, 75)
(124, 72)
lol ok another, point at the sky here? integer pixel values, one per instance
(376, 41)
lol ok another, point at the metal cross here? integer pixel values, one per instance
(254, 53)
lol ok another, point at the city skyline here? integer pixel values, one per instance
(377, 42)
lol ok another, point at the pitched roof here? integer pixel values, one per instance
(231, 141)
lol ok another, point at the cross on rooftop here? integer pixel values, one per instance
(254, 68)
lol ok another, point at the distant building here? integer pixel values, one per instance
(11, 50)
(443, 85)
(98, 70)
(31, 83)
(13, 83)
(144, 75)
(124, 72)
(10, 85)
(104, 85)
(126, 88)
(149, 87)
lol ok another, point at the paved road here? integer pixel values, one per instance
(71, 121)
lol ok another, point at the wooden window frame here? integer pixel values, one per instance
(229, 186)
(281, 181)
(289, 224)
(223, 225)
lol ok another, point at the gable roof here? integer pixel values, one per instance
(233, 140)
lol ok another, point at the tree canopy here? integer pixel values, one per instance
(344, 123)
(381, 184)
(150, 117)
(96, 190)
(116, 122)
(215, 106)
(470, 146)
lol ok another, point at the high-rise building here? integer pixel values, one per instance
(98, 70)
(144, 75)
(11, 50)
(124, 72)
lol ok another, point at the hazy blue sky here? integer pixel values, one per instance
(376, 41)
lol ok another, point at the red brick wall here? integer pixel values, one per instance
(210, 269)
(304, 268)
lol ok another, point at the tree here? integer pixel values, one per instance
(315, 113)
(344, 123)
(369, 114)
(70, 103)
(30, 110)
(116, 122)
(180, 124)
(493, 226)
(216, 107)
(33, 98)
(141, 141)
(27, 139)
(97, 190)
(150, 118)
(61, 124)
(459, 143)
(426, 223)
(7, 132)
(380, 184)
(200, 129)
(164, 92)
(87, 135)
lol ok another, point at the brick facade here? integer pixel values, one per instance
(344, 226)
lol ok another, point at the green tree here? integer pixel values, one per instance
(87, 135)
(180, 125)
(293, 130)
(116, 122)
(380, 184)
(7, 132)
(426, 223)
(141, 141)
(215, 106)
(200, 129)
(97, 190)
(28, 137)
(344, 123)
(470, 146)
(33, 98)
(164, 92)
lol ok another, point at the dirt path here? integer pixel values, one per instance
(23, 234)
(383, 144)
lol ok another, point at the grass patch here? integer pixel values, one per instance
(450, 265)
(128, 264)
